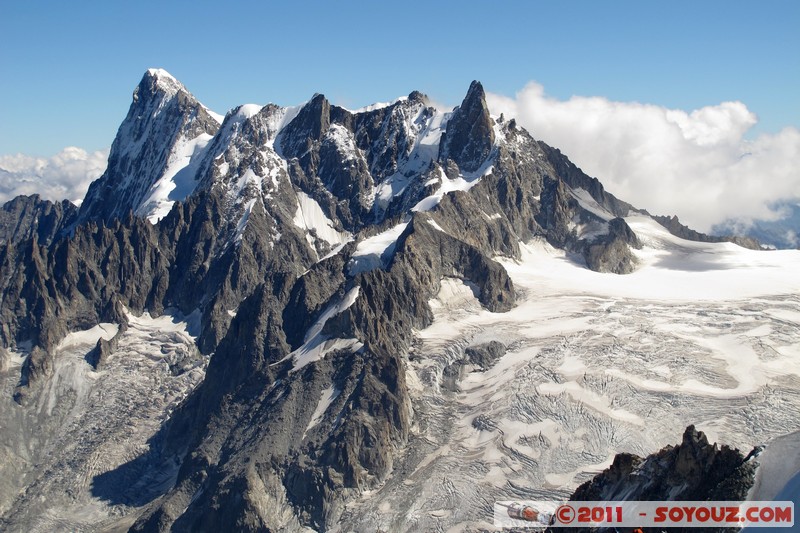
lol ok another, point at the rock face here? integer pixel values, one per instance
(694, 470)
(165, 129)
(28, 217)
(469, 138)
(485, 355)
(480, 357)
(611, 252)
(308, 242)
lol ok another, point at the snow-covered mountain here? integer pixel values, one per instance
(317, 318)
(154, 157)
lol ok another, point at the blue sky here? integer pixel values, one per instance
(69, 67)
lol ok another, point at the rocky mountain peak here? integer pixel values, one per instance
(165, 129)
(417, 97)
(28, 216)
(470, 136)
(310, 124)
(475, 93)
(309, 245)
(155, 82)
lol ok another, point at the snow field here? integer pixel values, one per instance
(597, 364)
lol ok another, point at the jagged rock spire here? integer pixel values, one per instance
(469, 137)
(310, 124)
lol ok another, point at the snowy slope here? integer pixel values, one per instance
(376, 251)
(671, 269)
(778, 473)
(178, 180)
(425, 132)
(310, 216)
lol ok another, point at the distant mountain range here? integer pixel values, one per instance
(781, 234)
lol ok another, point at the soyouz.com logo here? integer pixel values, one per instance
(540, 514)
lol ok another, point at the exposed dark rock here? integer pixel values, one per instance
(557, 208)
(104, 348)
(452, 374)
(162, 113)
(384, 152)
(345, 173)
(27, 216)
(38, 365)
(575, 178)
(312, 291)
(252, 453)
(485, 355)
(612, 252)
(482, 356)
(497, 236)
(81, 280)
(310, 124)
(484, 423)
(694, 470)
(469, 137)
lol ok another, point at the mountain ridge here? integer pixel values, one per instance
(309, 245)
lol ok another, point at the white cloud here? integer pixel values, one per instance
(66, 175)
(696, 165)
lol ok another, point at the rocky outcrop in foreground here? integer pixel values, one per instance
(694, 470)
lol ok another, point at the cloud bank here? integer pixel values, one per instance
(696, 165)
(66, 175)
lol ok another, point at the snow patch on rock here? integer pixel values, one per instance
(310, 216)
(376, 251)
(328, 396)
(178, 180)
(316, 344)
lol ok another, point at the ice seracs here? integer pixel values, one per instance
(598, 363)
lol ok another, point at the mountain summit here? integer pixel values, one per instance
(231, 332)
(470, 136)
(150, 164)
